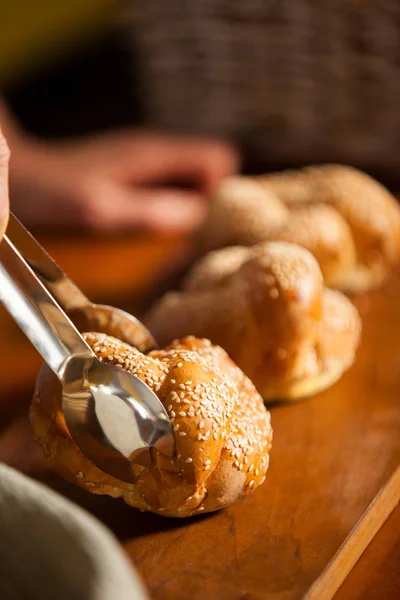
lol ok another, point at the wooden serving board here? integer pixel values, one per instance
(334, 479)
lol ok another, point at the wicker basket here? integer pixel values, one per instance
(291, 80)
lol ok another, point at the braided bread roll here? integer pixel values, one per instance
(346, 219)
(268, 308)
(222, 430)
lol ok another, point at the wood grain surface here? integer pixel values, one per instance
(334, 457)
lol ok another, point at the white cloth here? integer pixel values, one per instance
(51, 548)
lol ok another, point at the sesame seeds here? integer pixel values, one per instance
(79, 475)
(212, 403)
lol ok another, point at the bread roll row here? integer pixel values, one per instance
(267, 306)
(267, 326)
(346, 219)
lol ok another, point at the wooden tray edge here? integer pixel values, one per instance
(327, 584)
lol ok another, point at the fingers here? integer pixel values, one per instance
(201, 163)
(110, 182)
(4, 200)
(169, 210)
(113, 207)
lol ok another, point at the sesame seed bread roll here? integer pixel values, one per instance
(370, 210)
(222, 430)
(268, 308)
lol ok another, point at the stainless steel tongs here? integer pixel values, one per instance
(113, 417)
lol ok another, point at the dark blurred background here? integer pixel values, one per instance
(64, 68)
(325, 76)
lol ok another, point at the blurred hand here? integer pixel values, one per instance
(118, 181)
(4, 158)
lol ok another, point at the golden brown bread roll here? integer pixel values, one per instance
(242, 212)
(348, 221)
(222, 429)
(268, 308)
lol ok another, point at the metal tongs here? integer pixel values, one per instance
(113, 417)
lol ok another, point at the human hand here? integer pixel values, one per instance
(118, 181)
(4, 203)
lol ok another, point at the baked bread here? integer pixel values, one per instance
(242, 212)
(268, 308)
(222, 429)
(349, 221)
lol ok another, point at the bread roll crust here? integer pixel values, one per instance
(268, 308)
(371, 212)
(324, 232)
(242, 212)
(222, 430)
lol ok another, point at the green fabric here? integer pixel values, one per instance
(50, 548)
